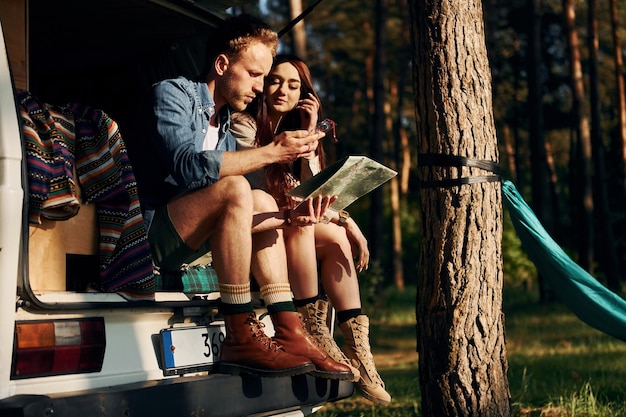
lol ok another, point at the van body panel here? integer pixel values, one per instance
(11, 207)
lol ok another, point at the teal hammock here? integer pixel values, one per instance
(591, 301)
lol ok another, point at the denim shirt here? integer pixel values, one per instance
(182, 109)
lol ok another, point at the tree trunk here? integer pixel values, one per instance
(509, 147)
(606, 245)
(538, 160)
(396, 201)
(462, 352)
(298, 32)
(378, 120)
(584, 215)
(621, 91)
(401, 155)
(620, 138)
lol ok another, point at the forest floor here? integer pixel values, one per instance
(558, 365)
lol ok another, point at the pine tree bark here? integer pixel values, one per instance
(461, 346)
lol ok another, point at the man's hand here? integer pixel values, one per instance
(291, 145)
(311, 211)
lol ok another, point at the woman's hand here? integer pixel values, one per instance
(309, 109)
(311, 210)
(359, 245)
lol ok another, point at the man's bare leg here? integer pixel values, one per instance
(223, 213)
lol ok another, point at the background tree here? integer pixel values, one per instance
(605, 245)
(340, 50)
(621, 90)
(581, 150)
(538, 157)
(379, 130)
(462, 354)
(299, 33)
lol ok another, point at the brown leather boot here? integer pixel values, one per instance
(248, 350)
(291, 334)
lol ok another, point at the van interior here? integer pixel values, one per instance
(106, 55)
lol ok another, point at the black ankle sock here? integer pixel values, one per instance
(231, 309)
(345, 315)
(280, 307)
(305, 301)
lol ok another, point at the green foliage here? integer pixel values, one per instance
(340, 39)
(519, 271)
(370, 281)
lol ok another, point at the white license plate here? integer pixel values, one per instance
(191, 349)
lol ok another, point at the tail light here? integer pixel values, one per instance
(46, 348)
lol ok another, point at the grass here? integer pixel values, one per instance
(558, 366)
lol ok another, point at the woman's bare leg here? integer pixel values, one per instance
(339, 277)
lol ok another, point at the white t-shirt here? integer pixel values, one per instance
(211, 138)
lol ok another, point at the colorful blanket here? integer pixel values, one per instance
(56, 138)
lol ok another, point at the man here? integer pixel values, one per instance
(197, 200)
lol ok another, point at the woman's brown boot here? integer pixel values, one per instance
(315, 320)
(248, 350)
(291, 334)
(357, 348)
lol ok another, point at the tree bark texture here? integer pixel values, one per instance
(461, 344)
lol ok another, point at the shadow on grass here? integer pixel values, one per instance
(558, 365)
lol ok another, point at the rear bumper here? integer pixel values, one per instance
(212, 395)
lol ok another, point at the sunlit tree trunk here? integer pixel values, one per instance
(606, 245)
(298, 31)
(584, 214)
(379, 131)
(401, 155)
(396, 204)
(538, 160)
(621, 91)
(554, 188)
(509, 147)
(462, 352)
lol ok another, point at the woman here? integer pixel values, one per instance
(290, 102)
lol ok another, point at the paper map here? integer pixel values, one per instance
(349, 179)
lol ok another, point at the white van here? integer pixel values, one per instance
(66, 349)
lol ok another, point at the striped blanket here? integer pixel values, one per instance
(59, 138)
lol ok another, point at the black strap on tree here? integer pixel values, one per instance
(295, 21)
(441, 160)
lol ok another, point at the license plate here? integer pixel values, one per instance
(191, 349)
